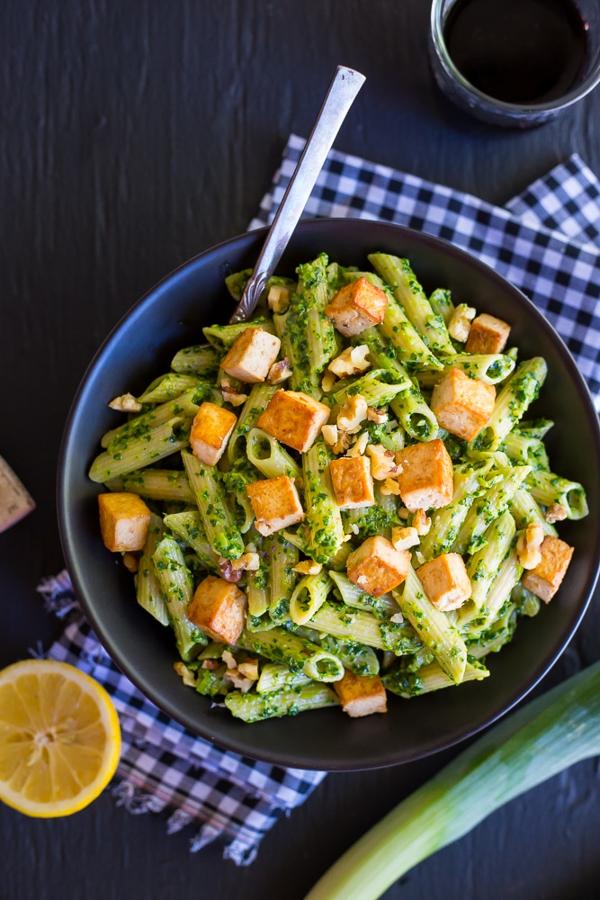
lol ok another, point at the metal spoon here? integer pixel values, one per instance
(340, 97)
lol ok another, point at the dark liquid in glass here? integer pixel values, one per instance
(518, 51)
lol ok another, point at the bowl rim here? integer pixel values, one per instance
(342, 763)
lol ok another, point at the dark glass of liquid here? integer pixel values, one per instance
(516, 61)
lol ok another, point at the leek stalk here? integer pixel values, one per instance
(539, 741)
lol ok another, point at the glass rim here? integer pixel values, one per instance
(572, 96)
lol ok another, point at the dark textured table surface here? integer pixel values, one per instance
(134, 134)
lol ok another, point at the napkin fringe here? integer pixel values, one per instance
(139, 802)
(57, 592)
(140, 799)
(135, 800)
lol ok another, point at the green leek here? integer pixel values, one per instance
(541, 739)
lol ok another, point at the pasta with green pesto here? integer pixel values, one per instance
(346, 501)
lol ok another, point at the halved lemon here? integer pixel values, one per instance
(60, 738)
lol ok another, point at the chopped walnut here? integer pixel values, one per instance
(330, 434)
(352, 414)
(126, 403)
(249, 669)
(342, 443)
(383, 463)
(459, 325)
(390, 486)
(232, 397)
(529, 545)
(556, 513)
(421, 522)
(247, 562)
(404, 538)
(360, 445)
(376, 415)
(210, 664)
(239, 681)
(131, 562)
(228, 573)
(229, 659)
(278, 298)
(186, 675)
(308, 567)
(328, 382)
(351, 361)
(280, 371)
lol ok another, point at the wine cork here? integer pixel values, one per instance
(15, 500)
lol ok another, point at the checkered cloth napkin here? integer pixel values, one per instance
(546, 242)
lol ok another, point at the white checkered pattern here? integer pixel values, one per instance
(546, 242)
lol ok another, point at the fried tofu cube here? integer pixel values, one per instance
(276, 504)
(294, 418)
(352, 482)
(218, 607)
(211, 429)
(357, 307)
(445, 581)
(487, 335)
(251, 356)
(546, 578)
(124, 521)
(376, 568)
(426, 477)
(360, 695)
(462, 405)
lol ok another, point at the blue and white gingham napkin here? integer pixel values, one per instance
(546, 241)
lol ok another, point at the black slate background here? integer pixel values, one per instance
(135, 133)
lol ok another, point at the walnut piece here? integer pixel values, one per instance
(556, 513)
(383, 463)
(352, 414)
(360, 445)
(421, 522)
(126, 403)
(280, 371)
(529, 545)
(308, 567)
(405, 538)
(352, 361)
(459, 325)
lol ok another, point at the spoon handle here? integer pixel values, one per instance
(340, 97)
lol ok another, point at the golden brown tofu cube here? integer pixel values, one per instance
(210, 432)
(218, 608)
(251, 356)
(351, 481)
(426, 476)
(294, 418)
(445, 581)
(376, 567)
(356, 307)
(360, 695)
(487, 335)
(124, 521)
(546, 578)
(276, 504)
(462, 405)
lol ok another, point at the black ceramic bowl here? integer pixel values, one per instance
(141, 346)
